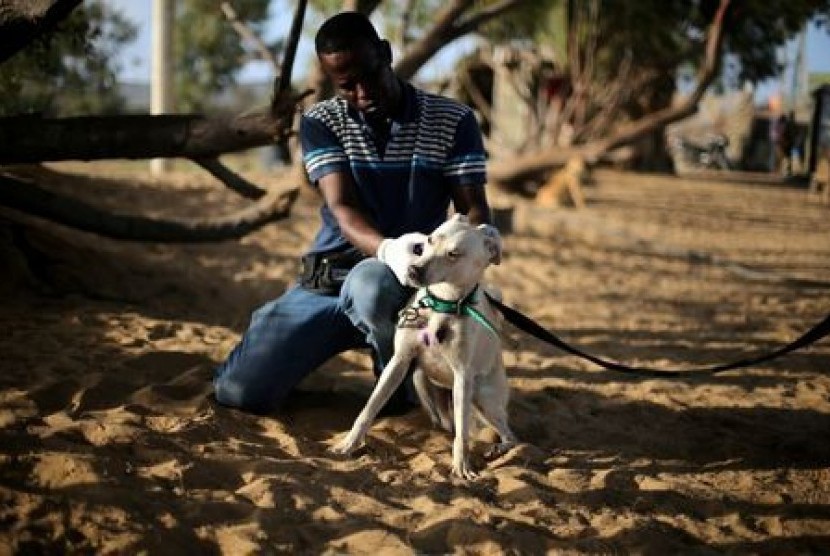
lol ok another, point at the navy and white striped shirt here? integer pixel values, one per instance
(404, 183)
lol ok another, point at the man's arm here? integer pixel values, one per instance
(472, 201)
(398, 253)
(339, 194)
(465, 170)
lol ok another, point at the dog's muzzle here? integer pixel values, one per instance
(416, 274)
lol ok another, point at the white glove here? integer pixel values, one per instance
(401, 252)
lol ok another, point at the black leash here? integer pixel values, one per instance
(533, 328)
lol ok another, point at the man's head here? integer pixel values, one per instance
(359, 64)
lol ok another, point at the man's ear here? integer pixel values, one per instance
(492, 241)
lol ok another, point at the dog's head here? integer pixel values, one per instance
(457, 253)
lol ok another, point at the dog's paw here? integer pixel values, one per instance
(497, 450)
(462, 470)
(346, 446)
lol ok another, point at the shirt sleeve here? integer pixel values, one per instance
(322, 152)
(466, 161)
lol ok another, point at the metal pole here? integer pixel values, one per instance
(161, 101)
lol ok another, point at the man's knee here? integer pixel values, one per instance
(372, 294)
(241, 395)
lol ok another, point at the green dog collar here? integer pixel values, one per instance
(463, 306)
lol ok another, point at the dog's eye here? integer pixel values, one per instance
(454, 254)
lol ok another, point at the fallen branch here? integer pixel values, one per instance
(248, 34)
(140, 136)
(541, 162)
(31, 199)
(230, 178)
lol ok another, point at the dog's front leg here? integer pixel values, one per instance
(391, 377)
(462, 397)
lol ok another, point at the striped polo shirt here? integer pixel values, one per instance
(403, 183)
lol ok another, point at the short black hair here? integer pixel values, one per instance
(345, 31)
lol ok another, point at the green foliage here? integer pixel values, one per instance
(755, 28)
(70, 71)
(665, 34)
(208, 51)
(656, 40)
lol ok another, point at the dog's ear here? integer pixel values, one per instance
(492, 240)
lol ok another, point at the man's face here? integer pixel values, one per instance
(363, 77)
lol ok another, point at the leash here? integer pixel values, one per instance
(533, 328)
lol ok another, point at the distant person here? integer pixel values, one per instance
(388, 159)
(783, 140)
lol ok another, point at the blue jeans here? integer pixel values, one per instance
(294, 334)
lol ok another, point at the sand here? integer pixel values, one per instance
(110, 442)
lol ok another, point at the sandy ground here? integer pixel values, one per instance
(110, 442)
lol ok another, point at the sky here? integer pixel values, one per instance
(136, 58)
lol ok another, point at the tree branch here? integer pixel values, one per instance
(283, 82)
(30, 198)
(705, 76)
(248, 34)
(230, 178)
(548, 159)
(22, 21)
(449, 25)
(140, 136)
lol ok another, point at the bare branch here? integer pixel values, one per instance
(249, 35)
(545, 160)
(283, 82)
(706, 73)
(142, 136)
(450, 24)
(32, 199)
(230, 178)
(485, 14)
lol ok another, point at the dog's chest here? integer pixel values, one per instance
(437, 362)
(436, 341)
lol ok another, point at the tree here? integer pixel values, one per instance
(201, 139)
(204, 138)
(71, 71)
(208, 52)
(617, 102)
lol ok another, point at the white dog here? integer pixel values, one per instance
(450, 330)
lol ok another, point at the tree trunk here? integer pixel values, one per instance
(28, 139)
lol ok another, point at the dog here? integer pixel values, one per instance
(458, 355)
(565, 185)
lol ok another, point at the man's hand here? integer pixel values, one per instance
(401, 252)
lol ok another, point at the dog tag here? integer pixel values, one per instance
(411, 317)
